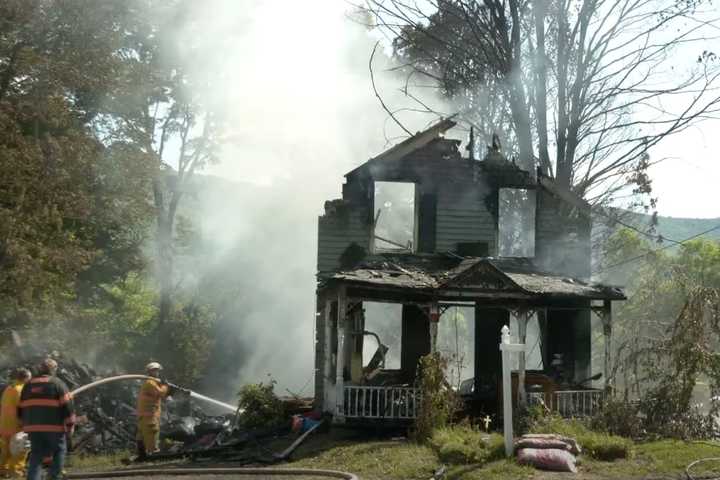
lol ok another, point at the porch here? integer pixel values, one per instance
(423, 288)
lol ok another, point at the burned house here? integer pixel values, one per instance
(485, 235)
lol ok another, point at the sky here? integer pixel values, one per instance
(687, 182)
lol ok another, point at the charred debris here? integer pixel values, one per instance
(107, 421)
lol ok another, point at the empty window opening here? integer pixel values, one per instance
(456, 342)
(516, 222)
(395, 217)
(533, 343)
(383, 322)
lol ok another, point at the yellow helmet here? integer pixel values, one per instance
(153, 366)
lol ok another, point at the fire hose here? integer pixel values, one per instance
(196, 395)
(215, 471)
(697, 462)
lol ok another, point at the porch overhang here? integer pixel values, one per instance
(448, 278)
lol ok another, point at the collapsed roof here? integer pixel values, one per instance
(442, 275)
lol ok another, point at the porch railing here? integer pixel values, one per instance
(381, 402)
(570, 403)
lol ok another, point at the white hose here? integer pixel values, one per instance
(144, 377)
(108, 380)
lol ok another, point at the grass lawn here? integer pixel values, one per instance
(404, 460)
(401, 460)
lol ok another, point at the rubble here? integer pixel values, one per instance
(106, 414)
(107, 420)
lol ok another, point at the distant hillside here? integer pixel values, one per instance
(678, 229)
(681, 228)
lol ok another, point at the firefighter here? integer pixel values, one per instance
(48, 417)
(12, 465)
(152, 392)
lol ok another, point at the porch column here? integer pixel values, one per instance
(522, 318)
(328, 374)
(434, 319)
(606, 318)
(340, 360)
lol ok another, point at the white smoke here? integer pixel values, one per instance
(292, 81)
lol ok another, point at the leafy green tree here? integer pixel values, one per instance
(155, 111)
(64, 211)
(659, 285)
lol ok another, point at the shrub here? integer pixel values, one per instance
(600, 446)
(439, 402)
(618, 417)
(665, 417)
(464, 444)
(262, 408)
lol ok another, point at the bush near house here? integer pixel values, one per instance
(262, 408)
(465, 444)
(439, 402)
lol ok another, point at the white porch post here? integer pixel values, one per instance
(328, 374)
(340, 361)
(434, 319)
(506, 347)
(606, 318)
(522, 319)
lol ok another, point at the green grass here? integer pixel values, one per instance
(597, 445)
(667, 457)
(377, 460)
(405, 460)
(464, 444)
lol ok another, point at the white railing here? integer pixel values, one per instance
(381, 402)
(570, 403)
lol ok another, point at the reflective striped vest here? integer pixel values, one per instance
(9, 421)
(46, 405)
(149, 399)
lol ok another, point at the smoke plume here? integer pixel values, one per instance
(291, 80)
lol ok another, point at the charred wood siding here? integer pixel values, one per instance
(562, 237)
(450, 189)
(462, 216)
(427, 223)
(336, 232)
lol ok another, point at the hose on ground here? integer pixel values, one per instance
(696, 462)
(214, 471)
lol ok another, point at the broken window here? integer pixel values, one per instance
(456, 342)
(533, 343)
(516, 222)
(383, 327)
(394, 217)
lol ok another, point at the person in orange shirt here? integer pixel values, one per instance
(152, 392)
(10, 424)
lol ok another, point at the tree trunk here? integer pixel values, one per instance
(518, 100)
(164, 255)
(541, 87)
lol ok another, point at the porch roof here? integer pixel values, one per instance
(439, 274)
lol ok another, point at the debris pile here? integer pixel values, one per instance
(107, 420)
(548, 452)
(106, 414)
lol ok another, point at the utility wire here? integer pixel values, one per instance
(601, 211)
(638, 257)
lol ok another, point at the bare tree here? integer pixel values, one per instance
(584, 89)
